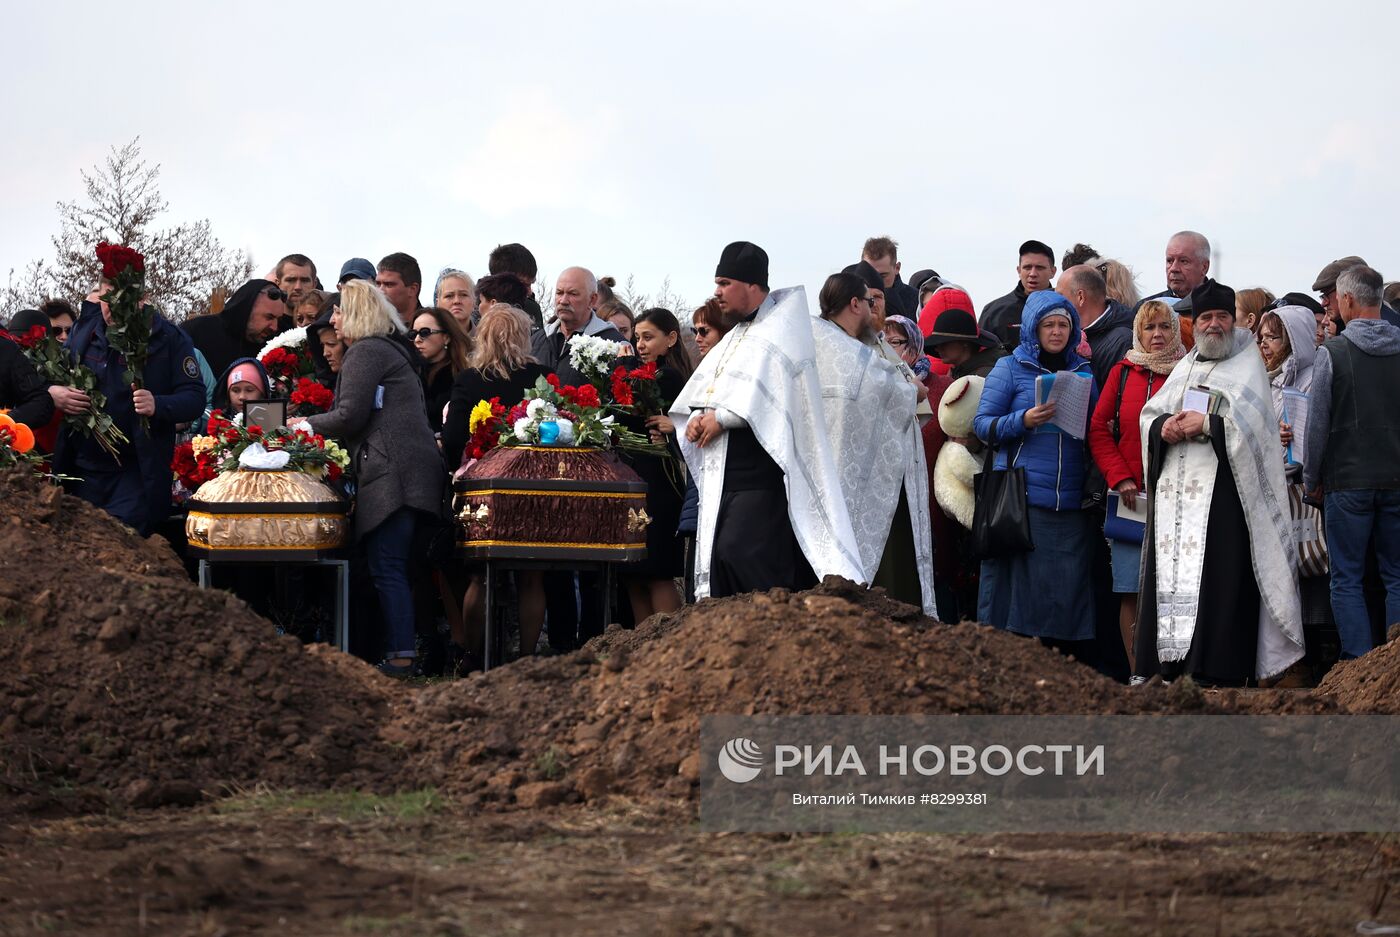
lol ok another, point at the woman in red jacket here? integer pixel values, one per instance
(1116, 442)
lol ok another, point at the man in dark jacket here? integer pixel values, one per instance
(1352, 451)
(249, 318)
(516, 260)
(136, 489)
(1326, 286)
(575, 298)
(901, 299)
(1035, 268)
(1108, 324)
(1188, 265)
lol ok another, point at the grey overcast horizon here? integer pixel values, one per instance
(638, 138)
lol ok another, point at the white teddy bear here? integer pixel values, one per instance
(956, 466)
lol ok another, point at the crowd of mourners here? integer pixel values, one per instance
(1204, 481)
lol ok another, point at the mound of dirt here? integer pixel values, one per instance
(122, 681)
(622, 716)
(1369, 684)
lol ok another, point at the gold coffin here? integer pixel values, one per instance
(551, 503)
(262, 516)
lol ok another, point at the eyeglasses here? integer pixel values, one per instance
(1265, 337)
(60, 329)
(703, 330)
(897, 342)
(867, 300)
(425, 333)
(274, 294)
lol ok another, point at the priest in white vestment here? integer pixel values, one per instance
(750, 425)
(1219, 601)
(869, 396)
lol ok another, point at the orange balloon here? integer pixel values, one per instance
(23, 437)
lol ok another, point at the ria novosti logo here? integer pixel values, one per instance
(740, 760)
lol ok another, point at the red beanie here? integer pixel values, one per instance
(949, 297)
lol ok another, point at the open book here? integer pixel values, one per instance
(1070, 392)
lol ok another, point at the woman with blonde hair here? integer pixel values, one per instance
(1115, 440)
(1120, 280)
(380, 416)
(455, 291)
(500, 366)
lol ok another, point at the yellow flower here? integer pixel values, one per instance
(480, 414)
(202, 444)
(337, 455)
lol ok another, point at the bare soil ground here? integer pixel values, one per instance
(169, 765)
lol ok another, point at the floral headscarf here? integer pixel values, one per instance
(915, 338)
(1163, 361)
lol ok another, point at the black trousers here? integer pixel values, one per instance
(755, 548)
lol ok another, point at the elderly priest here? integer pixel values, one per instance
(1219, 601)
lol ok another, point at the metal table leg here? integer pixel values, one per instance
(489, 631)
(342, 616)
(204, 574)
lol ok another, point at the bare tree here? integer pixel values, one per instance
(185, 264)
(27, 292)
(666, 298)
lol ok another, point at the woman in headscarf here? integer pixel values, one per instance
(903, 335)
(1287, 344)
(1116, 441)
(1045, 592)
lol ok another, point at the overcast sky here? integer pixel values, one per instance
(639, 138)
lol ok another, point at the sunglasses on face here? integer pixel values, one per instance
(60, 330)
(425, 333)
(703, 330)
(274, 294)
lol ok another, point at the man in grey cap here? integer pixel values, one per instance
(1326, 287)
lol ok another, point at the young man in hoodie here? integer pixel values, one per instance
(1353, 453)
(1107, 323)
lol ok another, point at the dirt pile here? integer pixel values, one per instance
(622, 716)
(121, 680)
(1369, 684)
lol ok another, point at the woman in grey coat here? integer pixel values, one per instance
(380, 417)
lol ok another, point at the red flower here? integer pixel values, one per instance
(33, 337)
(255, 430)
(553, 380)
(332, 471)
(310, 397)
(646, 372)
(621, 390)
(118, 258)
(586, 396)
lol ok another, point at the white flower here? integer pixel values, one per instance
(592, 355)
(566, 433)
(522, 428)
(534, 407)
(292, 338)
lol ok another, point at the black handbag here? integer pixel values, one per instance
(1001, 520)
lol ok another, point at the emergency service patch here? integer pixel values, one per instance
(191, 368)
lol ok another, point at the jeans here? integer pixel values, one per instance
(387, 548)
(1351, 518)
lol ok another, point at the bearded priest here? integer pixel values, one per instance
(1219, 599)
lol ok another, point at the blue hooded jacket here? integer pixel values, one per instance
(1055, 462)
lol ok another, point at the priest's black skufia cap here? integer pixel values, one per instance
(744, 261)
(867, 273)
(1211, 295)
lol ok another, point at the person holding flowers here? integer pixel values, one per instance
(22, 388)
(146, 369)
(652, 388)
(380, 416)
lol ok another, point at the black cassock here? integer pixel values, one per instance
(754, 548)
(1224, 642)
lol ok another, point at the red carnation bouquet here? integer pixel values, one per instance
(310, 398)
(286, 366)
(638, 391)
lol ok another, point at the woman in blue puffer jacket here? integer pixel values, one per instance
(1046, 592)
